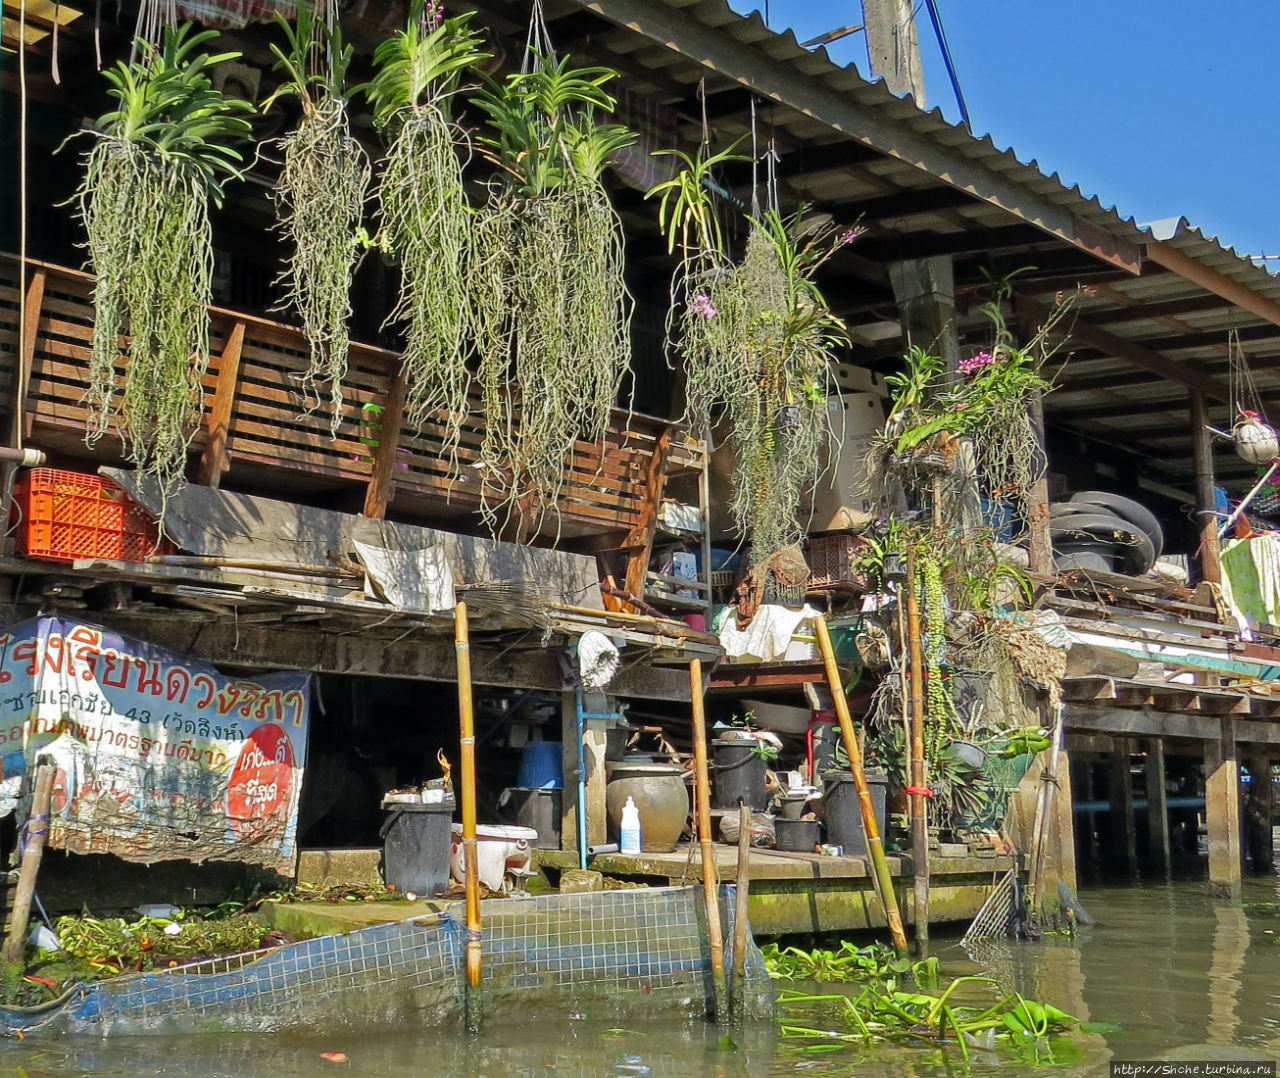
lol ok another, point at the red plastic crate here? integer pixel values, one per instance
(68, 515)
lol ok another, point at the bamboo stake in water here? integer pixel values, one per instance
(37, 833)
(740, 912)
(466, 717)
(702, 799)
(875, 846)
(918, 772)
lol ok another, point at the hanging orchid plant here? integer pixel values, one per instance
(156, 163)
(755, 339)
(551, 309)
(425, 218)
(321, 194)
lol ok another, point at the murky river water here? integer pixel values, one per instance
(1167, 965)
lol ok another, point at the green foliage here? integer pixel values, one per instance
(425, 219)
(320, 195)
(157, 161)
(421, 66)
(550, 308)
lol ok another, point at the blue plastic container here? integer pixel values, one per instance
(542, 766)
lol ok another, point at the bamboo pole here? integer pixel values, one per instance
(875, 845)
(37, 833)
(740, 912)
(702, 799)
(918, 772)
(467, 746)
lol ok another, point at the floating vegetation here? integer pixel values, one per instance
(905, 1004)
(157, 162)
(425, 218)
(320, 194)
(550, 305)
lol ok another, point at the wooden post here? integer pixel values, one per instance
(1222, 811)
(19, 416)
(870, 825)
(1123, 839)
(918, 769)
(740, 912)
(467, 754)
(640, 541)
(381, 487)
(1157, 805)
(37, 835)
(1206, 500)
(216, 457)
(1040, 549)
(1258, 812)
(702, 799)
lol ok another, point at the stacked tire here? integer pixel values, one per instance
(1100, 531)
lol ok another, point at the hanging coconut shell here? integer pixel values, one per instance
(1256, 442)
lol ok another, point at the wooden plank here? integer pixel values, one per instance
(19, 411)
(640, 541)
(216, 456)
(1209, 552)
(1141, 722)
(381, 487)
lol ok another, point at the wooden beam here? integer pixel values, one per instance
(870, 125)
(381, 487)
(1209, 552)
(19, 413)
(1081, 330)
(1222, 812)
(1216, 281)
(216, 457)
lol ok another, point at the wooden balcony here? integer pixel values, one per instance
(256, 434)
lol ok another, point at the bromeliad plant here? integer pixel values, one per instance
(157, 161)
(550, 305)
(425, 218)
(320, 193)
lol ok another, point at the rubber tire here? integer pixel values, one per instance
(1064, 563)
(1126, 509)
(1139, 553)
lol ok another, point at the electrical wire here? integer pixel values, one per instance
(936, 19)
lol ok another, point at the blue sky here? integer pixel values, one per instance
(1159, 107)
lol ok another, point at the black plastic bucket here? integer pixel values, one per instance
(737, 775)
(415, 848)
(539, 809)
(798, 836)
(843, 813)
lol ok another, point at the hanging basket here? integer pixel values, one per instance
(1255, 441)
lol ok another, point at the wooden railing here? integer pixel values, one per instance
(256, 428)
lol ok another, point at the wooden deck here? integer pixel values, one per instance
(256, 431)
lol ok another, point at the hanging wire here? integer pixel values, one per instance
(936, 19)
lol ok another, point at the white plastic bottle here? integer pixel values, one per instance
(630, 838)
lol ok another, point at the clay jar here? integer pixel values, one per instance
(659, 793)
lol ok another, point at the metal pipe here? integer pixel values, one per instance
(580, 728)
(918, 771)
(702, 798)
(875, 845)
(740, 917)
(467, 746)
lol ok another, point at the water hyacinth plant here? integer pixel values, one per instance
(156, 163)
(552, 312)
(320, 194)
(425, 218)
